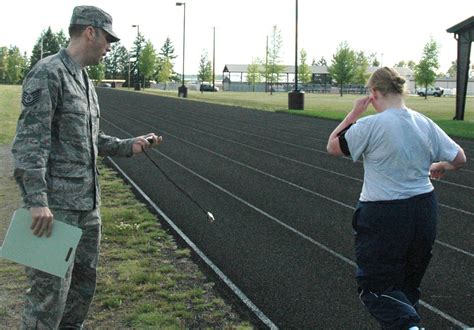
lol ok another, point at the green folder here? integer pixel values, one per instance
(51, 254)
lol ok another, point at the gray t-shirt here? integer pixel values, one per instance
(398, 146)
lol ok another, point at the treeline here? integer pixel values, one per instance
(144, 63)
(347, 66)
(139, 65)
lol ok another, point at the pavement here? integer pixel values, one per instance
(283, 208)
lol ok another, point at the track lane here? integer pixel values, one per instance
(287, 171)
(183, 150)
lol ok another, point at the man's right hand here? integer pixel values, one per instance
(42, 221)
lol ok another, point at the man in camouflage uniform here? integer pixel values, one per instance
(55, 149)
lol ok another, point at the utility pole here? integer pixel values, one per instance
(296, 97)
(214, 59)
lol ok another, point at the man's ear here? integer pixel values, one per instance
(90, 32)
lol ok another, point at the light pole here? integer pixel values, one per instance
(41, 56)
(42, 52)
(266, 67)
(128, 85)
(137, 81)
(183, 90)
(214, 59)
(296, 97)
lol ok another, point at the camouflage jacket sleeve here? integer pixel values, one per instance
(32, 142)
(112, 146)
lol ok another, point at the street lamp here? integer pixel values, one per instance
(138, 28)
(296, 97)
(128, 85)
(214, 59)
(137, 81)
(41, 56)
(183, 90)
(42, 52)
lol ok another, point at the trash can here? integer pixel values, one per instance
(296, 100)
(182, 91)
(137, 86)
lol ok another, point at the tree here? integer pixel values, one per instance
(205, 68)
(343, 68)
(167, 50)
(406, 64)
(47, 44)
(135, 55)
(116, 62)
(273, 68)
(3, 64)
(165, 64)
(322, 62)
(165, 70)
(362, 64)
(96, 72)
(425, 71)
(14, 65)
(26, 65)
(453, 70)
(63, 41)
(411, 64)
(253, 73)
(373, 61)
(147, 62)
(304, 70)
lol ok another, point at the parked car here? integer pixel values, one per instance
(208, 88)
(449, 92)
(434, 91)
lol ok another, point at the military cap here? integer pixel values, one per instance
(93, 16)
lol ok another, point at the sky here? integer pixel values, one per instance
(394, 31)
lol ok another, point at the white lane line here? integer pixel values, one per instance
(250, 122)
(455, 248)
(265, 174)
(444, 315)
(443, 181)
(262, 317)
(282, 157)
(456, 209)
(469, 254)
(270, 153)
(297, 232)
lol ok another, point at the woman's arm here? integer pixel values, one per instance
(437, 170)
(360, 106)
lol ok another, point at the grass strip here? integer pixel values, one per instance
(145, 279)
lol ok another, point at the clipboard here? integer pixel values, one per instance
(52, 254)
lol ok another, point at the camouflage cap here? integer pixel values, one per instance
(90, 15)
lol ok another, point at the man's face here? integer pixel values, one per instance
(101, 45)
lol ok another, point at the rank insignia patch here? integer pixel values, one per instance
(29, 99)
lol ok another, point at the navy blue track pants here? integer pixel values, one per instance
(393, 243)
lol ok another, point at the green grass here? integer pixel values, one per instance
(146, 280)
(9, 111)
